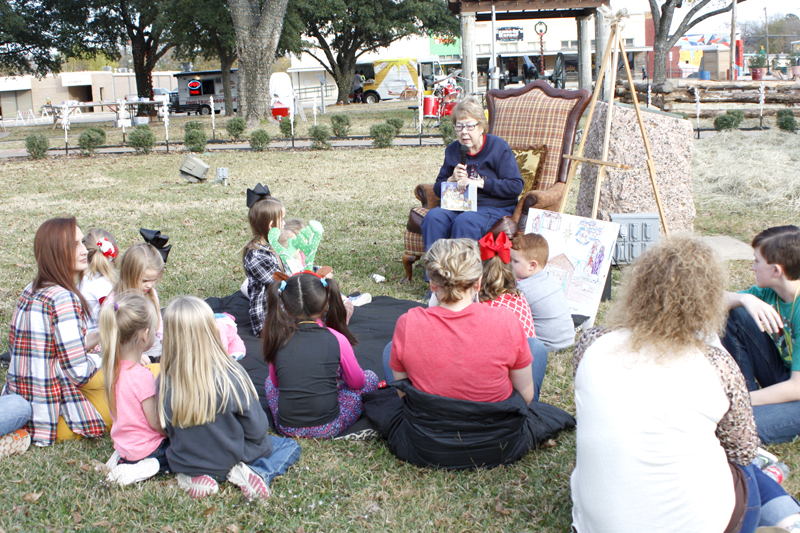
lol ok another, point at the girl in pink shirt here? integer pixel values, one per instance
(127, 330)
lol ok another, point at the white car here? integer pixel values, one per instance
(160, 94)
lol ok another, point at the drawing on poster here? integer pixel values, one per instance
(580, 255)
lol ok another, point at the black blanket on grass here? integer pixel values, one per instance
(372, 324)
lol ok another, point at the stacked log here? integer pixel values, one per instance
(713, 92)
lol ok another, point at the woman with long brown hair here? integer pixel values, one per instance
(50, 366)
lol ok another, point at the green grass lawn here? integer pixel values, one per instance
(362, 198)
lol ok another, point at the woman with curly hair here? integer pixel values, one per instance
(665, 435)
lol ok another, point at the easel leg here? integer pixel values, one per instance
(651, 164)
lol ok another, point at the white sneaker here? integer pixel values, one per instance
(199, 486)
(113, 461)
(128, 473)
(253, 486)
(361, 299)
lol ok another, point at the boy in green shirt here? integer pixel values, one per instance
(763, 329)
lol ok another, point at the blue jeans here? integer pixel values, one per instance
(538, 367)
(767, 502)
(15, 411)
(445, 224)
(761, 364)
(285, 453)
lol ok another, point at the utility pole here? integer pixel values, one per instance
(766, 28)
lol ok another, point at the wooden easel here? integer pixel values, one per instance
(617, 45)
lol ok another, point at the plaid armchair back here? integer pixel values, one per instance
(534, 119)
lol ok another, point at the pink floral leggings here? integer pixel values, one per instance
(350, 409)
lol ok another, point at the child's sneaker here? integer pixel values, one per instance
(14, 443)
(127, 473)
(199, 486)
(764, 458)
(361, 299)
(113, 461)
(253, 486)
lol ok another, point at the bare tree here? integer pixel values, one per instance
(258, 26)
(663, 12)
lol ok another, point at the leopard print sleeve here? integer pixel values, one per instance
(737, 429)
(585, 340)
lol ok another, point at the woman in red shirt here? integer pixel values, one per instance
(460, 349)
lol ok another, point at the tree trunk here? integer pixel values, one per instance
(659, 62)
(144, 84)
(344, 74)
(258, 28)
(226, 62)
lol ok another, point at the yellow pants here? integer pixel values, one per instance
(95, 392)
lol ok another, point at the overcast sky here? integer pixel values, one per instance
(745, 11)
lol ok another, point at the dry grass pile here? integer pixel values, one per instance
(748, 170)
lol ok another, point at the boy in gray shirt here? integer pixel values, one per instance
(551, 316)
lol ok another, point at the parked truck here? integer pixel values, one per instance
(195, 88)
(387, 79)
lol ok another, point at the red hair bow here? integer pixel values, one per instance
(500, 246)
(107, 248)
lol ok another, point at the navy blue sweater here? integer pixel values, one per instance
(495, 163)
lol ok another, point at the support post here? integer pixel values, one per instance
(494, 74)
(469, 61)
(731, 66)
(600, 38)
(584, 54)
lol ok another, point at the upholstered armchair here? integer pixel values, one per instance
(539, 123)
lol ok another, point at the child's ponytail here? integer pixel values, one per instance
(120, 322)
(337, 314)
(102, 250)
(109, 349)
(278, 325)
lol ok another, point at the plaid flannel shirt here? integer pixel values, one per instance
(260, 264)
(49, 363)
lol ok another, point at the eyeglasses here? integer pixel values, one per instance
(468, 127)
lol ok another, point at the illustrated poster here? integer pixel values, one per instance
(580, 254)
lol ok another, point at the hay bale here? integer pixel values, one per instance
(630, 191)
(752, 170)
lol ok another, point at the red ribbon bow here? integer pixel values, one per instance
(500, 246)
(107, 248)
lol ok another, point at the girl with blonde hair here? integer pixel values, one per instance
(140, 269)
(127, 329)
(666, 436)
(98, 280)
(210, 410)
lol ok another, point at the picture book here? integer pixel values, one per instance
(454, 200)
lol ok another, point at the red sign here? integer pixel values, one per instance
(194, 87)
